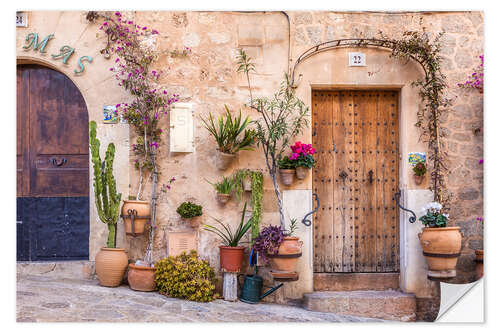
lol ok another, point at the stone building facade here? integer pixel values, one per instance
(208, 80)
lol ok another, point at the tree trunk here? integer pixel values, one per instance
(278, 196)
(149, 252)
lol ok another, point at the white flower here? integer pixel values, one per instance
(446, 215)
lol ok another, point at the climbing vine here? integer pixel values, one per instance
(416, 46)
(257, 182)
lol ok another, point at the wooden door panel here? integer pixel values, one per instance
(365, 231)
(22, 133)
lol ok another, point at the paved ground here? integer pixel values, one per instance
(44, 299)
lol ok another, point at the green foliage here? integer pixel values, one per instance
(420, 169)
(225, 186)
(106, 199)
(257, 189)
(245, 65)
(185, 276)
(434, 220)
(286, 163)
(228, 238)
(188, 210)
(227, 132)
(293, 227)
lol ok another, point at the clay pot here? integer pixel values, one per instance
(247, 184)
(418, 179)
(301, 172)
(288, 255)
(223, 160)
(110, 265)
(194, 222)
(141, 278)
(223, 198)
(479, 263)
(143, 209)
(231, 258)
(286, 176)
(441, 247)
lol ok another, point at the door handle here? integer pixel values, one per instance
(343, 175)
(396, 198)
(57, 163)
(370, 176)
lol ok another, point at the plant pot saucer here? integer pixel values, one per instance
(282, 276)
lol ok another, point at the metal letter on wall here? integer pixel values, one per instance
(181, 128)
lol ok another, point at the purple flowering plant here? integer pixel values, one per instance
(268, 241)
(133, 70)
(476, 79)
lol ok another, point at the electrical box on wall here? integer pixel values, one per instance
(182, 128)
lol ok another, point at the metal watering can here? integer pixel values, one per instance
(252, 286)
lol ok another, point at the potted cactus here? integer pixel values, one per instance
(110, 261)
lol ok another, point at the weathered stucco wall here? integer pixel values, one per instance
(208, 79)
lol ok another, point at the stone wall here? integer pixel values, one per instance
(208, 79)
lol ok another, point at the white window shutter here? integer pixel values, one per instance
(182, 128)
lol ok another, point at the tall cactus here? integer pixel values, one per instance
(106, 198)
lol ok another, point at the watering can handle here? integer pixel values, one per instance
(270, 291)
(253, 258)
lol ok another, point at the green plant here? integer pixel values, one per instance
(420, 169)
(106, 199)
(185, 276)
(257, 189)
(293, 227)
(433, 218)
(302, 155)
(189, 210)
(286, 163)
(228, 238)
(227, 132)
(225, 186)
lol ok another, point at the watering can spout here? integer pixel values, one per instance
(270, 291)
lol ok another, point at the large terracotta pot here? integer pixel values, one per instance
(223, 198)
(231, 258)
(301, 172)
(479, 263)
(288, 255)
(110, 265)
(223, 161)
(286, 176)
(418, 179)
(141, 278)
(441, 247)
(143, 209)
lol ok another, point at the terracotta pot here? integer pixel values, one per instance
(286, 176)
(110, 265)
(247, 184)
(418, 179)
(143, 209)
(479, 263)
(231, 258)
(141, 278)
(288, 255)
(223, 160)
(441, 247)
(223, 198)
(194, 222)
(301, 172)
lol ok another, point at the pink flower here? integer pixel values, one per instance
(294, 156)
(153, 144)
(312, 151)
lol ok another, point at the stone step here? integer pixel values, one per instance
(78, 269)
(355, 281)
(385, 304)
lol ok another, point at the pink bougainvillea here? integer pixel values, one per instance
(476, 79)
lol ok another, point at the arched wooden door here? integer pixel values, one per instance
(52, 167)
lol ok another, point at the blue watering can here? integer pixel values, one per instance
(252, 286)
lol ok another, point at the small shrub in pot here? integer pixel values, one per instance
(190, 211)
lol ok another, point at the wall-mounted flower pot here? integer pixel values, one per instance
(286, 176)
(288, 255)
(194, 222)
(479, 263)
(231, 258)
(418, 179)
(223, 198)
(143, 209)
(247, 184)
(110, 265)
(301, 172)
(141, 278)
(441, 248)
(223, 161)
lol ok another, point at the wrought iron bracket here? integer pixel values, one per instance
(307, 222)
(132, 215)
(397, 196)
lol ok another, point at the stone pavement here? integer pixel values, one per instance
(47, 299)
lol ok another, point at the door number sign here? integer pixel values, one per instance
(357, 59)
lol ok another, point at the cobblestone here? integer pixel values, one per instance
(44, 299)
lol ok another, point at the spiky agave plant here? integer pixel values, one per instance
(106, 199)
(225, 233)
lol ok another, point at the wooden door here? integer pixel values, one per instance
(356, 175)
(52, 166)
